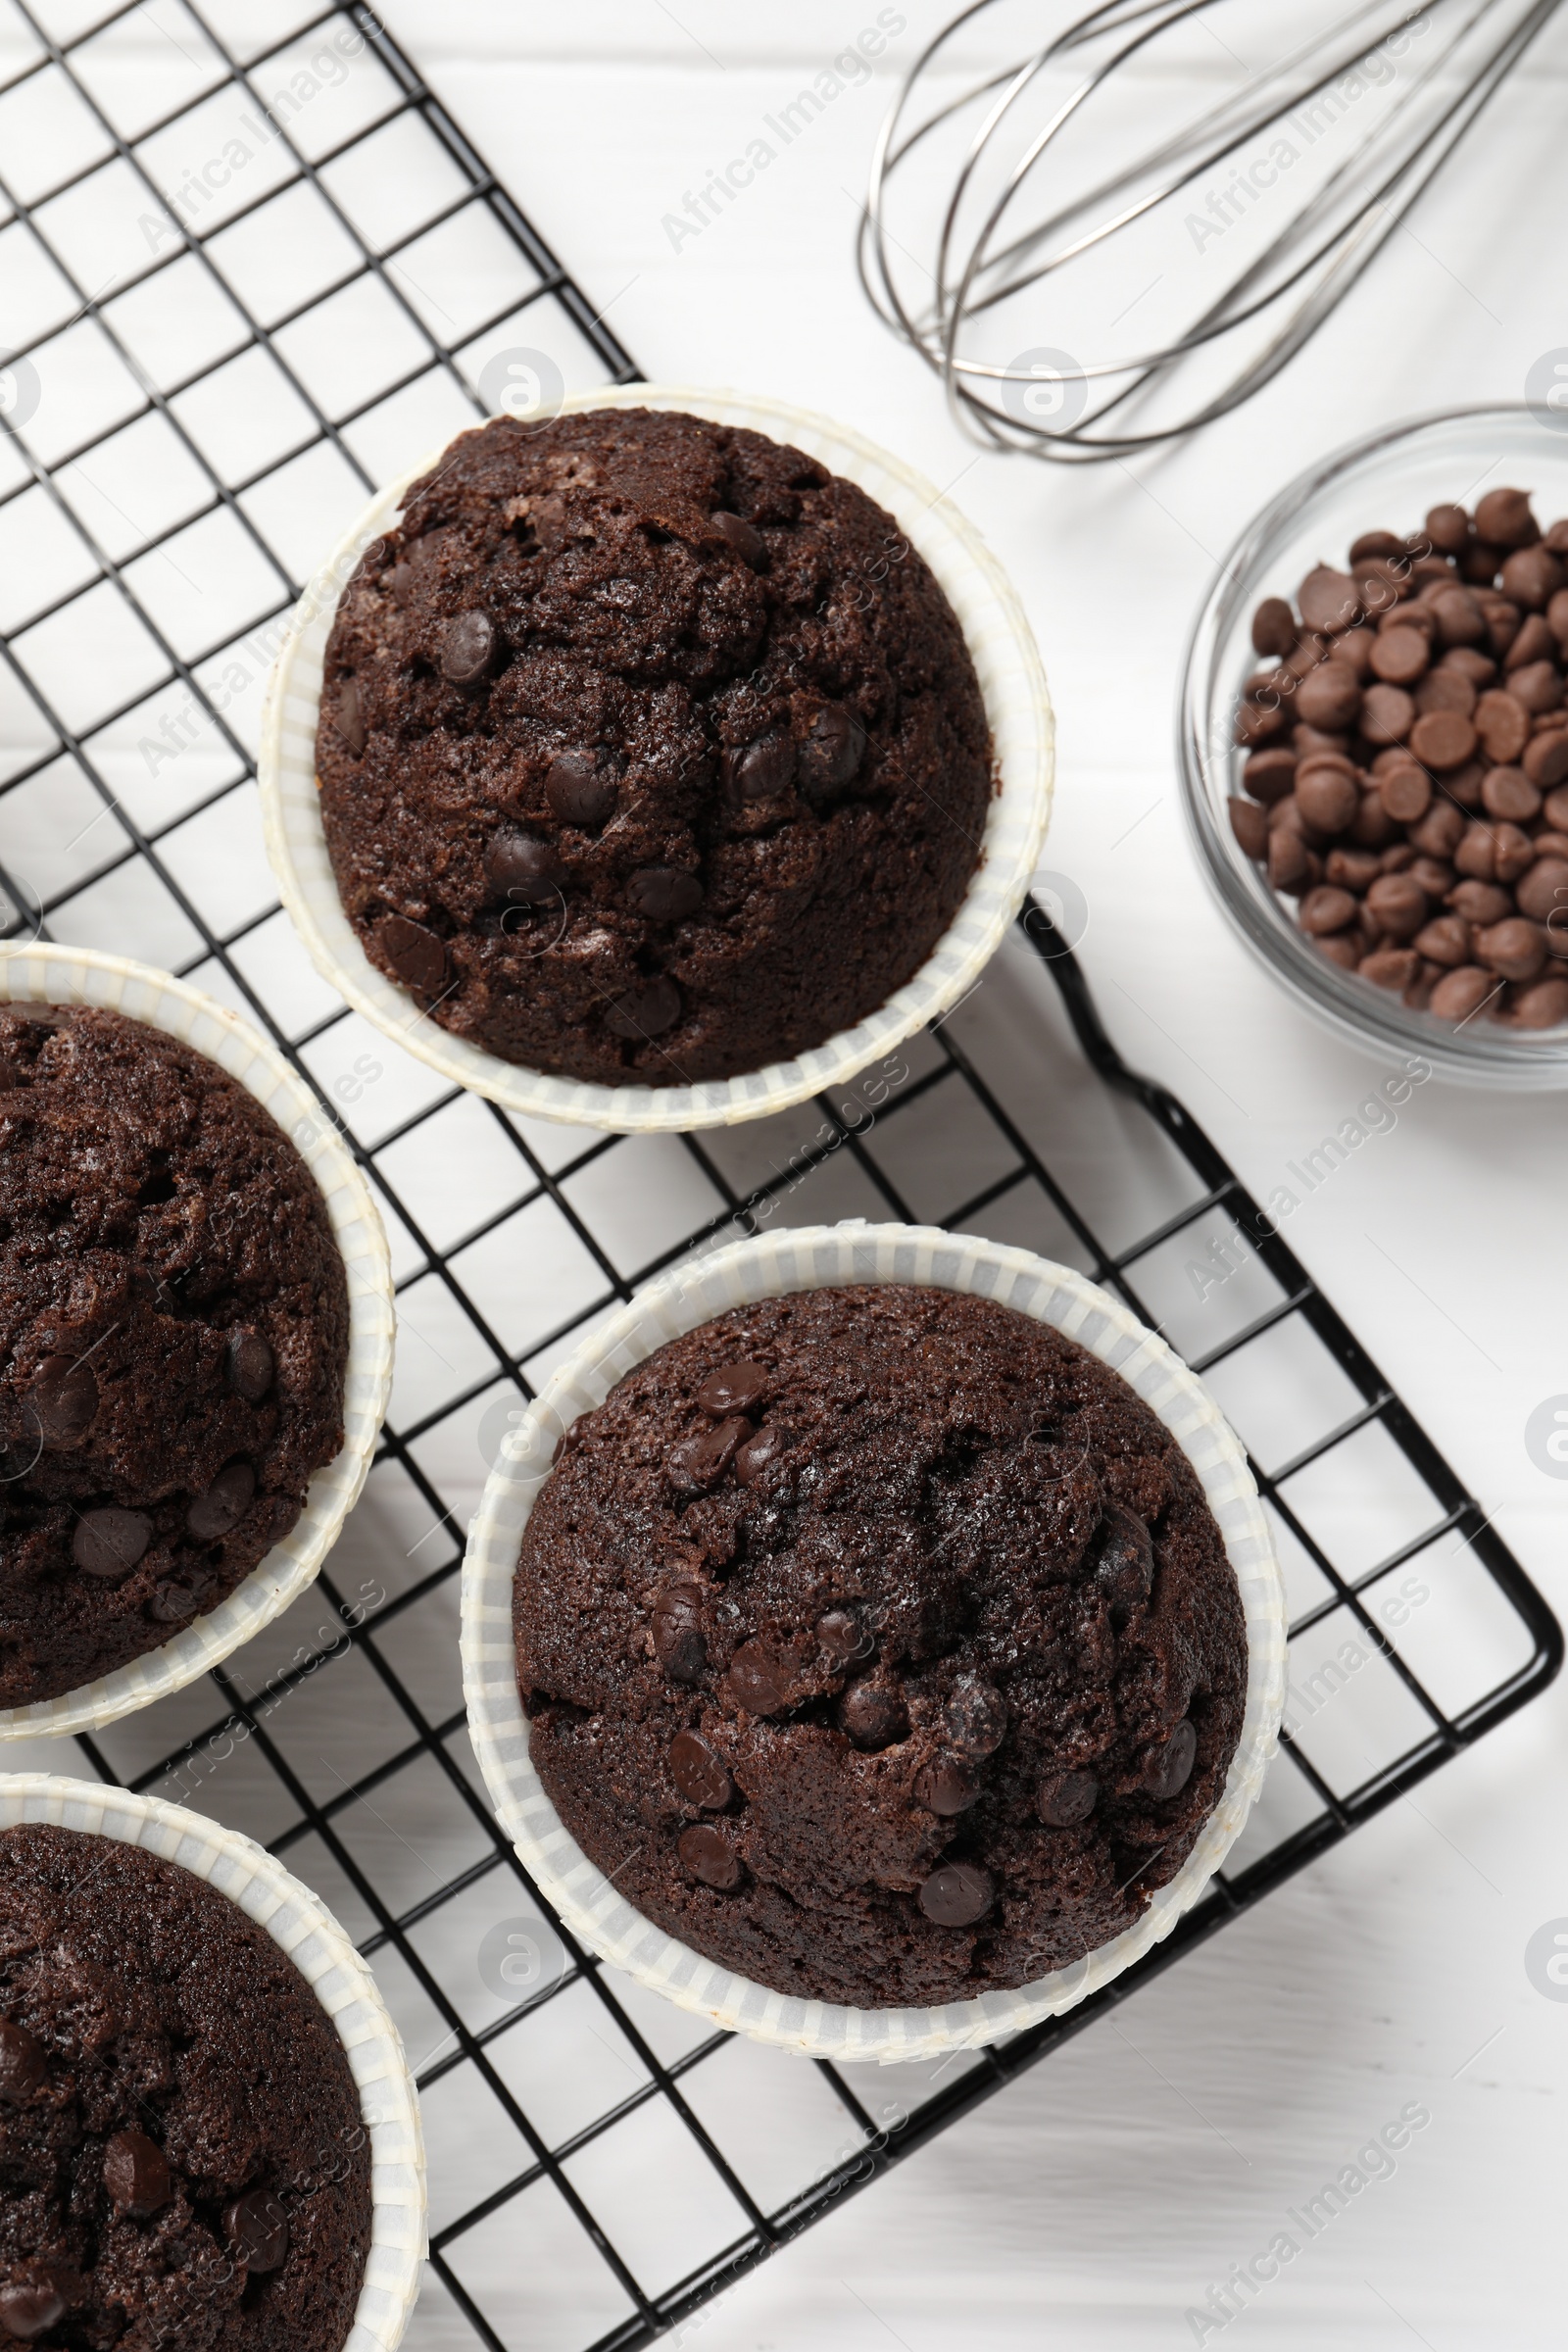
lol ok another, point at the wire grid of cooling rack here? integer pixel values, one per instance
(249, 266)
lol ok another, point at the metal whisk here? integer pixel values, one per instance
(1005, 202)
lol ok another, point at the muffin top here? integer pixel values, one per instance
(881, 1646)
(649, 750)
(185, 2161)
(173, 1333)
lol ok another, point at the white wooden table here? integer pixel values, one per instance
(1094, 2203)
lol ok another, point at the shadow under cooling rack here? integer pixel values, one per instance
(249, 268)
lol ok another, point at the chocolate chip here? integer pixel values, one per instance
(1478, 903)
(348, 718)
(1440, 832)
(1443, 739)
(1503, 519)
(1545, 759)
(756, 1681)
(1289, 863)
(742, 540)
(678, 1643)
(248, 1366)
(1249, 824)
(63, 1401)
(1407, 794)
(1508, 792)
(1397, 904)
(762, 770)
(224, 1506)
(1273, 626)
(1543, 893)
(1449, 528)
(872, 1714)
(755, 1455)
(842, 1638)
(1514, 950)
(1330, 697)
(1066, 1798)
(1388, 713)
(1126, 1569)
(1269, 775)
(831, 751)
(700, 1460)
(948, 1785)
(23, 2068)
(1168, 1768)
(173, 1603)
(1537, 686)
(416, 954)
(1448, 689)
(709, 1856)
(1390, 967)
(1534, 643)
(1379, 547)
(1357, 869)
(1327, 797)
(1328, 600)
(1445, 941)
(664, 894)
(976, 1716)
(257, 2228)
(523, 869)
(468, 647)
(1400, 655)
(734, 1387)
(646, 1012)
(1374, 828)
(109, 1541)
(1542, 1005)
(583, 787)
(958, 1895)
(698, 1772)
(1459, 995)
(1256, 722)
(29, 2308)
(136, 2175)
(1502, 724)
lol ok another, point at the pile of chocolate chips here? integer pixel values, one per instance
(1407, 773)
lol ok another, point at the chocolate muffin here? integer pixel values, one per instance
(649, 750)
(880, 1645)
(185, 2165)
(174, 1334)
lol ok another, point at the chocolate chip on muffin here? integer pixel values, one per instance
(186, 2162)
(648, 747)
(174, 1335)
(925, 1706)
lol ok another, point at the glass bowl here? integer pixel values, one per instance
(1387, 482)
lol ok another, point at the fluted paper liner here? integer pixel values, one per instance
(818, 1257)
(1017, 705)
(301, 1926)
(59, 975)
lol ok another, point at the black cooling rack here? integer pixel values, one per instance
(186, 427)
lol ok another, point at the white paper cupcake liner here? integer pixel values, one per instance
(302, 1927)
(817, 1258)
(57, 975)
(1017, 705)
